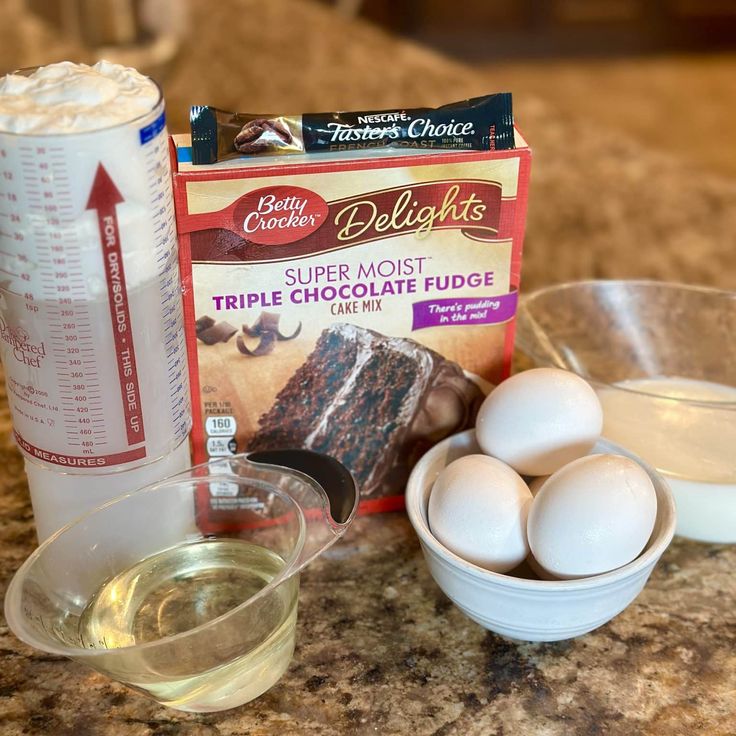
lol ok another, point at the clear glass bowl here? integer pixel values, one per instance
(186, 590)
(662, 358)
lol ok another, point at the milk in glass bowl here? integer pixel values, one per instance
(662, 358)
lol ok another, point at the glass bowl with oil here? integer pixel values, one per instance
(662, 358)
(187, 590)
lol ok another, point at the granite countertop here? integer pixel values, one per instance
(380, 649)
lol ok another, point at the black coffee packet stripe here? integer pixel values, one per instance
(480, 124)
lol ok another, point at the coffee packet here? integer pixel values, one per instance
(481, 124)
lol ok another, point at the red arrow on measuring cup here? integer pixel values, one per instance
(104, 198)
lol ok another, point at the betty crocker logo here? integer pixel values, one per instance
(300, 222)
(280, 214)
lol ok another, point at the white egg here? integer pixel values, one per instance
(478, 509)
(539, 420)
(592, 516)
(536, 483)
(537, 569)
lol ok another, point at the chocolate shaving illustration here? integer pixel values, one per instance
(220, 332)
(266, 327)
(264, 347)
(293, 334)
(269, 322)
(251, 331)
(266, 322)
(203, 323)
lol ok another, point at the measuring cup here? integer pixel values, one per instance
(91, 316)
(211, 652)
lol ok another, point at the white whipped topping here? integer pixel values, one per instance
(74, 98)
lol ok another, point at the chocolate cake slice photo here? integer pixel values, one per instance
(375, 403)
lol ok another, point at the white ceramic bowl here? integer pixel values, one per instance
(525, 609)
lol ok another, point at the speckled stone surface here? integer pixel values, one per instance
(601, 205)
(380, 649)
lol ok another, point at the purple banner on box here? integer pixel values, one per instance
(483, 310)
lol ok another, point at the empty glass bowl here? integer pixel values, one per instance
(662, 358)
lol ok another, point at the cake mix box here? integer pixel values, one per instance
(357, 304)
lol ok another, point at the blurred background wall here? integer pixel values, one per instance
(663, 71)
(629, 105)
